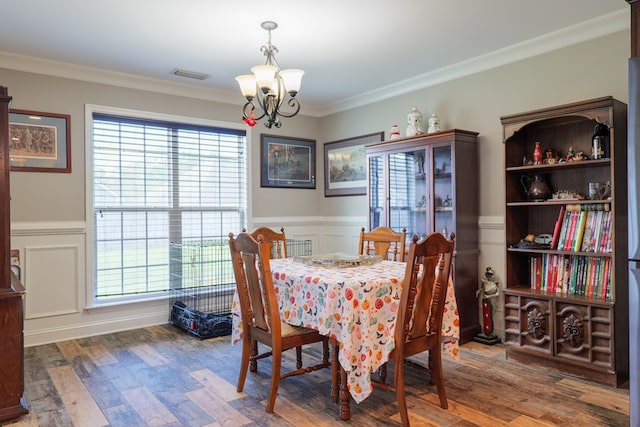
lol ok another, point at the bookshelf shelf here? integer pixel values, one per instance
(559, 166)
(558, 202)
(553, 251)
(566, 305)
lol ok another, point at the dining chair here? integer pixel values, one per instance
(278, 250)
(419, 324)
(383, 241)
(278, 240)
(260, 315)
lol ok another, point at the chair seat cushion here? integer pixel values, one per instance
(292, 331)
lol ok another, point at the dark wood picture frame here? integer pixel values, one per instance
(39, 142)
(287, 162)
(345, 165)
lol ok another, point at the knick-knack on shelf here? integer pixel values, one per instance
(537, 154)
(414, 118)
(434, 124)
(395, 132)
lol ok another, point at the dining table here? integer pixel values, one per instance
(357, 305)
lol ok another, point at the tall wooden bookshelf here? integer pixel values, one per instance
(554, 320)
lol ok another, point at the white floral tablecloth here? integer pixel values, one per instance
(355, 305)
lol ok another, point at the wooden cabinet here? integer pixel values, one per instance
(430, 183)
(12, 402)
(566, 302)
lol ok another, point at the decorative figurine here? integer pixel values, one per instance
(434, 124)
(395, 132)
(550, 158)
(414, 118)
(570, 153)
(490, 290)
(419, 160)
(537, 154)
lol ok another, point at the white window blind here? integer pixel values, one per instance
(162, 192)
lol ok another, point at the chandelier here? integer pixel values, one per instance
(268, 88)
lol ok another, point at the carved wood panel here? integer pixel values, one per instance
(535, 324)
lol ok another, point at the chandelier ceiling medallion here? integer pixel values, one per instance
(268, 88)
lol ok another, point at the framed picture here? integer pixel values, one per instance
(39, 142)
(345, 165)
(287, 162)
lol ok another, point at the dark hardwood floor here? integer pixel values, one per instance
(161, 376)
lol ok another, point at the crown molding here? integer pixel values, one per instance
(588, 30)
(598, 27)
(65, 70)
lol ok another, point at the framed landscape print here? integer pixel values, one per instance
(39, 142)
(287, 162)
(345, 165)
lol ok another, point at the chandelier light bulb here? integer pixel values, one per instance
(248, 86)
(292, 80)
(268, 90)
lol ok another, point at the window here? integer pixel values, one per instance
(165, 197)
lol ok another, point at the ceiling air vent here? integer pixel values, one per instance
(189, 74)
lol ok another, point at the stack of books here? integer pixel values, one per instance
(583, 228)
(572, 275)
(580, 228)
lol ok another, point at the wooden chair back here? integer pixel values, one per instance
(424, 292)
(261, 316)
(278, 240)
(419, 328)
(383, 241)
(256, 293)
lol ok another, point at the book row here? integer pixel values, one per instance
(572, 275)
(581, 228)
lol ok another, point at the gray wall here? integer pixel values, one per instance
(48, 210)
(588, 70)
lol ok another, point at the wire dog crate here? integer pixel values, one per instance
(203, 285)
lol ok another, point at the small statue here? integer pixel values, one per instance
(419, 160)
(550, 158)
(434, 124)
(570, 154)
(395, 132)
(490, 290)
(537, 154)
(414, 118)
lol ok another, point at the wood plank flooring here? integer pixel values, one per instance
(161, 376)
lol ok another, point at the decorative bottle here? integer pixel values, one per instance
(600, 142)
(537, 154)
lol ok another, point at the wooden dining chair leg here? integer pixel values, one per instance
(383, 373)
(276, 365)
(254, 352)
(298, 357)
(325, 352)
(335, 371)
(398, 378)
(437, 376)
(244, 365)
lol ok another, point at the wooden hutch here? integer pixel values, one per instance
(12, 401)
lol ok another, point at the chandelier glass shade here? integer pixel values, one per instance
(270, 92)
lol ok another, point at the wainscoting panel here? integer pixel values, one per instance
(51, 279)
(55, 272)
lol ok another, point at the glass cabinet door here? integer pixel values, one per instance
(443, 190)
(408, 192)
(377, 196)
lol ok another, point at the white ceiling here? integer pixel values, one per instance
(353, 51)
